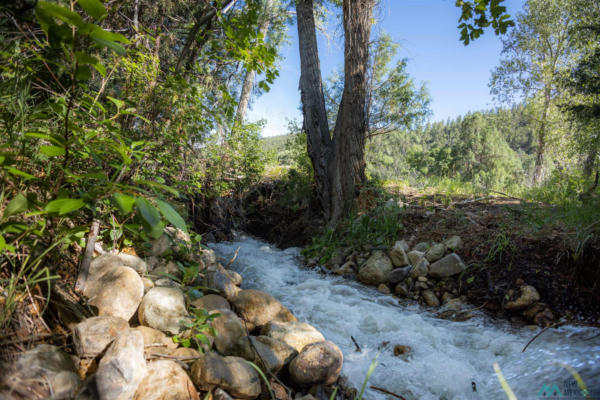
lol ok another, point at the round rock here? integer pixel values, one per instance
(92, 335)
(376, 270)
(232, 374)
(116, 293)
(259, 308)
(163, 308)
(166, 380)
(295, 334)
(319, 362)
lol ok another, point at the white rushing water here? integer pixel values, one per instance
(447, 356)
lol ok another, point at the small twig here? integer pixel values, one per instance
(84, 269)
(175, 358)
(358, 349)
(234, 257)
(388, 392)
(540, 332)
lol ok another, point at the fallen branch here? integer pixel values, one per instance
(358, 349)
(388, 392)
(540, 332)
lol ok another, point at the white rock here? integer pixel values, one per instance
(163, 308)
(122, 368)
(117, 292)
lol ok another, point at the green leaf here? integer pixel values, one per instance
(470, 279)
(203, 339)
(51, 138)
(147, 212)
(109, 44)
(109, 40)
(83, 73)
(123, 202)
(117, 102)
(64, 206)
(4, 246)
(52, 151)
(18, 172)
(64, 14)
(93, 8)
(17, 205)
(171, 215)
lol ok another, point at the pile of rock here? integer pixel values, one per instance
(127, 351)
(526, 302)
(420, 273)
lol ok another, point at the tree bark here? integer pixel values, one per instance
(313, 102)
(538, 174)
(351, 128)
(251, 74)
(338, 163)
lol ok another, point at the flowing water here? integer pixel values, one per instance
(449, 358)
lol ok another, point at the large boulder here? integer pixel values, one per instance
(528, 295)
(398, 254)
(155, 341)
(318, 363)
(91, 336)
(268, 353)
(232, 374)
(107, 261)
(435, 252)
(211, 302)
(398, 275)
(420, 269)
(430, 298)
(272, 354)
(454, 243)
(222, 282)
(295, 334)
(376, 270)
(117, 292)
(422, 247)
(45, 372)
(259, 308)
(166, 380)
(414, 256)
(229, 328)
(447, 266)
(122, 368)
(163, 308)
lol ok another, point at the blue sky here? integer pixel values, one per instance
(457, 76)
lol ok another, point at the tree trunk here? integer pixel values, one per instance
(251, 74)
(338, 163)
(351, 128)
(538, 174)
(315, 122)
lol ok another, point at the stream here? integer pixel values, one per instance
(449, 359)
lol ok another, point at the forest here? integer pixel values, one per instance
(128, 164)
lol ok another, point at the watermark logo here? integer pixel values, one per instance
(550, 391)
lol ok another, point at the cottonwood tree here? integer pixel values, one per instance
(534, 53)
(337, 155)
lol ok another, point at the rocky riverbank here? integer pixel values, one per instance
(166, 332)
(430, 273)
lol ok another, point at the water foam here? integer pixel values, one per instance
(447, 356)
